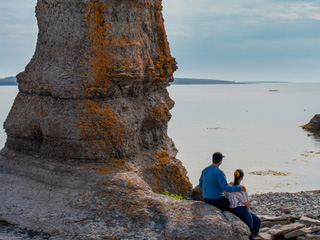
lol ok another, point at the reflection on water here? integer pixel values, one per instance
(316, 136)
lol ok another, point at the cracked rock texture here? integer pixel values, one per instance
(87, 154)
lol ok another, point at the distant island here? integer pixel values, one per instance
(12, 81)
(195, 81)
(8, 81)
(192, 81)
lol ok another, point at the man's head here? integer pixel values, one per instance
(217, 157)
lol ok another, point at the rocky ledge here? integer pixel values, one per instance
(283, 215)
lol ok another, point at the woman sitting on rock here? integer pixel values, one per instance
(239, 204)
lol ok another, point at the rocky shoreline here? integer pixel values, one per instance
(288, 215)
(283, 215)
(277, 204)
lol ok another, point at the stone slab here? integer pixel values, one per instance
(272, 223)
(313, 237)
(309, 221)
(298, 232)
(272, 218)
(287, 228)
(265, 236)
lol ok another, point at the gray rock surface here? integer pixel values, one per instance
(83, 200)
(87, 154)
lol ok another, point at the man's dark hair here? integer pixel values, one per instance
(217, 157)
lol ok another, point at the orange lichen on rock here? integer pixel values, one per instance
(165, 64)
(108, 57)
(100, 124)
(168, 174)
(160, 113)
(105, 62)
(99, 57)
(112, 166)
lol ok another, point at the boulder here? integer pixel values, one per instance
(85, 200)
(196, 194)
(314, 124)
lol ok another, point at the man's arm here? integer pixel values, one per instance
(222, 180)
(231, 188)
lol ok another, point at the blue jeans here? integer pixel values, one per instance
(252, 220)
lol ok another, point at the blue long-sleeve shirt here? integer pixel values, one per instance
(213, 183)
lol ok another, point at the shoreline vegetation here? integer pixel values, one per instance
(12, 81)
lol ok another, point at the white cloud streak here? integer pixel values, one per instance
(267, 9)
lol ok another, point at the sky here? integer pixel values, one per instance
(237, 40)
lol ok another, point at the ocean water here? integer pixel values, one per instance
(258, 130)
(7, 96)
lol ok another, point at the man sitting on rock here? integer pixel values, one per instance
(213, 184)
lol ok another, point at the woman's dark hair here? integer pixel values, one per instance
(237, 175)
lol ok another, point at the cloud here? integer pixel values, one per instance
(273, 9)
(17, 19)
(18, 4)
(297, 10)
(230, 20)
(17, 30)
(211, 37)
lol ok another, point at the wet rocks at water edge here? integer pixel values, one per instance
(313, 125)
(288, 215)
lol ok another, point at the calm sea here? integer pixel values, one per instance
(258, 130)
(255, 128)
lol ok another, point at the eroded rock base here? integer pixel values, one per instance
(85, 200)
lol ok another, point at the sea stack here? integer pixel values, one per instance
(87, 153)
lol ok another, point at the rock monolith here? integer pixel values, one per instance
(87, 154)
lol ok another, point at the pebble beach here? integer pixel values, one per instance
(288, 215)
